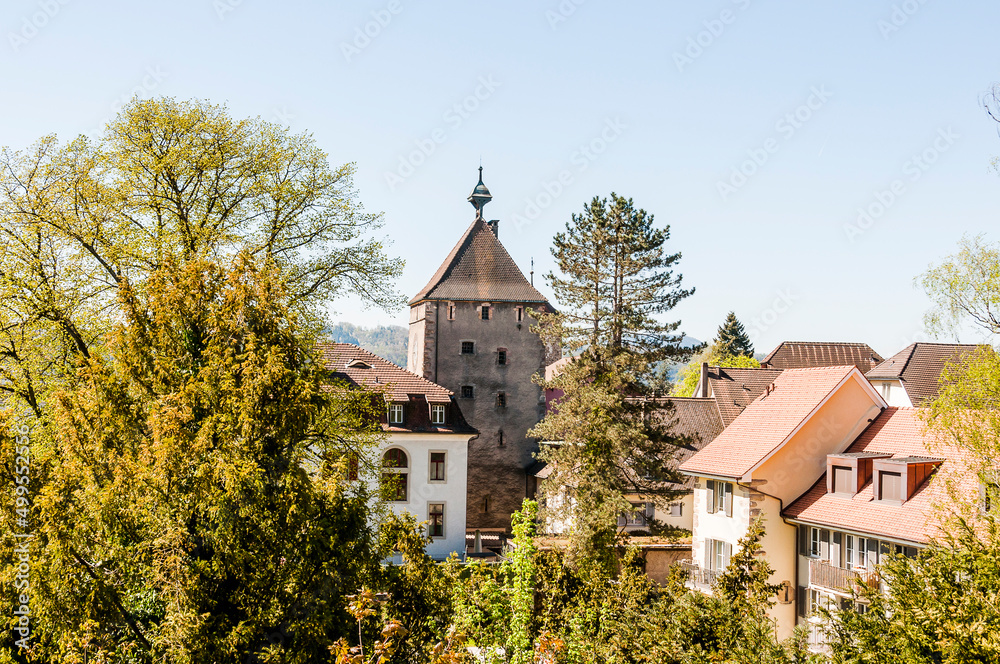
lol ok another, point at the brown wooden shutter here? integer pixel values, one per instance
(710, 484)
(802, 601)
(729, 498)
(804, 540)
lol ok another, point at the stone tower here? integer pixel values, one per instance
(469, 331)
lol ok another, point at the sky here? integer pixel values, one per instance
(810, 158)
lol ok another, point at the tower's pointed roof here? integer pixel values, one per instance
(479, 269)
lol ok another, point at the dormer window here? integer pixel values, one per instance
(437, 414)
(395, 413)
(847, 473)
(358, 364)
(896, 480)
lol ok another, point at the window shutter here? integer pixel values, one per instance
(802, 601)
(650, 510)
(621, 521)
(824, 544)
(711, 496)
(835, 545)
(803, 540)
(872, 553)
(709, 550)
(727, 554)
(729, 498)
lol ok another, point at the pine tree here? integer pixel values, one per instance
(615, 279)
(732, 340)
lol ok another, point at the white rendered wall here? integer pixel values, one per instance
(421, 491)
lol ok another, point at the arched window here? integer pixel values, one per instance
(395, 476)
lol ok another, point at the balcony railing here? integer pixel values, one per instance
(822, 573)
(699, 577)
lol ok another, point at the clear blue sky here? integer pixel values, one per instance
(884, 87)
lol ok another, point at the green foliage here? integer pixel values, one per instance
(688, 377)
(732, 339)
(965, 289)
(157, 326)
(939, 607)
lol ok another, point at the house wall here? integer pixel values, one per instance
(794, 468)
(779, 546)
(893, 392)
(452, 492)
(717, 526)
(686, 520)
(499, 456)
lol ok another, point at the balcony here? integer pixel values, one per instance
(823, 574)
(699, 578)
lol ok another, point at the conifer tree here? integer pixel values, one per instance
(732, 339)
(616, 279)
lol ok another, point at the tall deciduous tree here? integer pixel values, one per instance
(168, 181)
(616, 279)
(160, 295)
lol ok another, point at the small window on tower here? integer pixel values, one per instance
(468, 392)
(501, 356)
(520, 313)
(501, 399)
(484, 312)
(468, 347)
(451, 311)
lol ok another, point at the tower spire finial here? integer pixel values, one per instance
(480, 195)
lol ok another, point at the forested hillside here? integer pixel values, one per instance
(389, 341)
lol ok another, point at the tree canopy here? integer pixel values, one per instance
(162, 292)
(731, 339)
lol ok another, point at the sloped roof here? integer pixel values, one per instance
(734, 388)
(919, 366)
(699, 420)
(767, 422)
(362, 368)
(800, 354)
(479, 269)
(379, 373)
(900, 432)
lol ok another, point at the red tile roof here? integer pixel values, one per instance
(699, 420)
(900, 432)
(919, 366)
(767, 422)
(734, 388)
(800, 354)
(479, 269)
(362, 368)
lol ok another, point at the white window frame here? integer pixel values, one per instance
(399, 471)
(444, 520)
(719, 561)
(396, 413)
(430, 467)
(437, 409)
(719, 497)
(815, 545)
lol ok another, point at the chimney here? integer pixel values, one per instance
(704, 379)
(494, 225)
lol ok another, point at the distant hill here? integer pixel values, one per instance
(389, 341)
